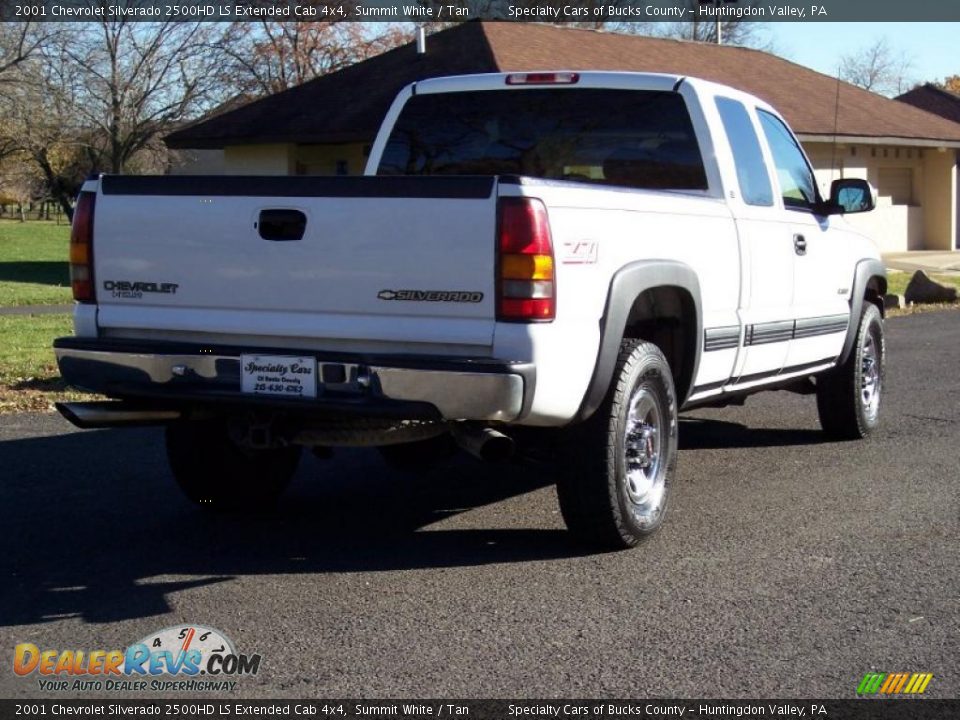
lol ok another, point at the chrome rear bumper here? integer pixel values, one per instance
(457, 389)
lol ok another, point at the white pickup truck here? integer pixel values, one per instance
(588, 252)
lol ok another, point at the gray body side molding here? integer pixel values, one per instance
(866, 269)
(627, 285)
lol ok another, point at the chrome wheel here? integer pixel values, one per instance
(643, 440)
(870, 377)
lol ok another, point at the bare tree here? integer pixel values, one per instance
(137, 81)
(19, 184)
(878, 68)
(40, 125)
(19, 41)
(269, 56)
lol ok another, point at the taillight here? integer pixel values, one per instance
(81, 249)
(526, 283)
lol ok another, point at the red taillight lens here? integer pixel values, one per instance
(81, 249)
(526, 281)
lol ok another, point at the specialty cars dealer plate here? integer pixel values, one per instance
(279, 375)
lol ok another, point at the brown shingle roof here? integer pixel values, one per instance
(349, 105)
(935, 100)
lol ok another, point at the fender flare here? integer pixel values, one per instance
(626, 286)
(865, 271)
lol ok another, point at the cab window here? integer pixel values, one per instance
(751, 169)
(797, 182)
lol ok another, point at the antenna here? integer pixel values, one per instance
(836, 127)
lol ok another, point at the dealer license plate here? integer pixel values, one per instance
(284, 375)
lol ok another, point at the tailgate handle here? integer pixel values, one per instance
(282, 224)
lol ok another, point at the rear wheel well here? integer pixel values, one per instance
(667, 317)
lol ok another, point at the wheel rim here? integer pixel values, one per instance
(870, 377)
(643, 444)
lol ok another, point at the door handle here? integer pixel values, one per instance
(799, 244)
(281, 224)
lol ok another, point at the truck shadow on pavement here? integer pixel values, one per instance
(94, 527)
(704, 434)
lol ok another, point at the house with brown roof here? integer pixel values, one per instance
(326, 126)
(935, 100)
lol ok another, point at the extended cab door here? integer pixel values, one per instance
(766, 250)
(821, 279)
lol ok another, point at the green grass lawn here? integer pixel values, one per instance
(897, 281)
(28, 370)
(34, 263)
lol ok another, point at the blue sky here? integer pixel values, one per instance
(933, 48)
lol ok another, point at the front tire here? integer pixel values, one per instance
(848, 397)
(216, 473)
(619, 464)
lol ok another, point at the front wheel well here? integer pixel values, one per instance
(874, 292)
(667, 317)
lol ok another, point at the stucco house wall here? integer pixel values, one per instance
(916, 197)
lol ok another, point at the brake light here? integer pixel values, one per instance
(81, 249)
(543, 78)
(526, 282)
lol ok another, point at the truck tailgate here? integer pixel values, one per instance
(384, 259)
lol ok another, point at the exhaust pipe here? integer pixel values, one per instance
(484, 443)
(107, 414)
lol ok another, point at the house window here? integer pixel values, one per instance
(896, 184)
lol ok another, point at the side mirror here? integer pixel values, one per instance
(850, 195)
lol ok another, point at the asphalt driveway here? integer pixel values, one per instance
(790, 566)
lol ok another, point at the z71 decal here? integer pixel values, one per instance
(579, 252)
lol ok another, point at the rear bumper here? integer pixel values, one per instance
(402, 386)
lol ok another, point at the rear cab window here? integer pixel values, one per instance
(627, 138)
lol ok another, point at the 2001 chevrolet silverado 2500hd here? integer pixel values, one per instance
(589, 252)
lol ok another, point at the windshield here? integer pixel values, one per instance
(630, 138)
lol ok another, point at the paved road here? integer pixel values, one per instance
(789, 566)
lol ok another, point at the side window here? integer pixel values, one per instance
(747, 156)
(797, 183)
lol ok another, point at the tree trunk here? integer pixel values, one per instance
(55, 184)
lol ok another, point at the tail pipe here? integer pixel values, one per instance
(484, 443)
(107, 414)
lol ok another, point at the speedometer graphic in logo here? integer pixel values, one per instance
(199, 641)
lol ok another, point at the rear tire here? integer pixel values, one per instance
(619, 464)
(217, 474)
(848, 397)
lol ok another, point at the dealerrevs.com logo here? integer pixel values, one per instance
(182, 657)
